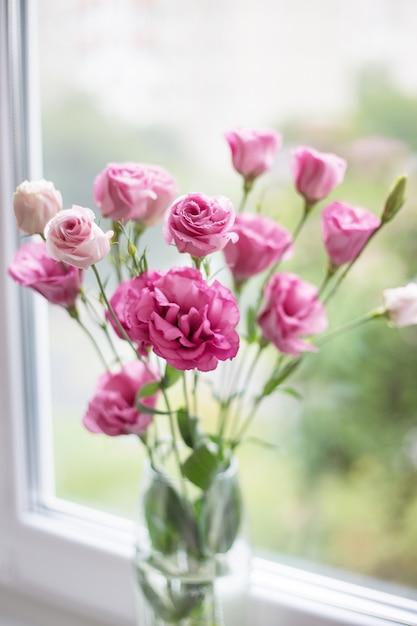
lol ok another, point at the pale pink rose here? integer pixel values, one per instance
(134, 191)
(74, 238)
(316, 174)
(401, 305)
(292, 310)
(262, 242)
(188, 322)
(346, 229)
(33, 267)
(199, 224)
(35, 203)
(253, 150)
(113, 408)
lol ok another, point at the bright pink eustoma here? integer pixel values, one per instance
(34, 204)
(346, 229)
(292, 310)
(188, 322)
(113, 408)
(253, 150)
(33, 267)
(199, 224)
(262, 242)
(134, 191)
(401, 305)
(316, 173)
(74, 238)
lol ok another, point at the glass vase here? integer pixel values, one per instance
(192, 556)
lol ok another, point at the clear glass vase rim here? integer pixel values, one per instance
(227, 473)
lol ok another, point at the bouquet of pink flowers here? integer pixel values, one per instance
(182, 323)
(187, 318)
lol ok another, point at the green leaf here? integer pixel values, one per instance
(148, 390)
(220, 514)
(189, 428)
(170, 519)
(202, 465)
(170, 377)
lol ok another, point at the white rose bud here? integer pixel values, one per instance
(401, 305)
(35, 203)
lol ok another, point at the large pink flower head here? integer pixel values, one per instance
(262, 242)
(253, 150)
(35, 203)
(346, 229)
(188, 322)
(33, 267)
(292, 310)
(316, 173)
(73, 237)
(113, 408)
(200, 224)
(134, 191)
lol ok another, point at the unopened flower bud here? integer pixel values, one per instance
(395, 200)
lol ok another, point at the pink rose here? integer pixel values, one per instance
(134, 191)
(253, 150)
(35, 203)
(261, 243)
(33, 267)
(189, 323)
(124, 302)
(401, 305)
(292, 310)
(346, 229)
(113, 409)
(74, 238)
(199, 224)
(316, 173)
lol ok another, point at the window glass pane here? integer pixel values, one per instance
(160, 82)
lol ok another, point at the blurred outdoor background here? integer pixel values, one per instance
(160, 82)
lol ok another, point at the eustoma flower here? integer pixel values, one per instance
(58, 283)
(188, 322)
(292, 310)
(113, 408)
(200, 224)
(262, 242)
(346, 229)
(134, 191)
(316, 173)
(74, 238)
(401, 305)
(253, 150)
(35, 203)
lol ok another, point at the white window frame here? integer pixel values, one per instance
(73, 559)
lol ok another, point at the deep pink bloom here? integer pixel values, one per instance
(113, 408)
(35, 203)
(33, 267)
(253, 150)
(262, 242)
(124, 304)
(346, 229)
(292, 310)
(188, 322)
(199, 224)
(316, 173)
(134, 191)
(74, 238)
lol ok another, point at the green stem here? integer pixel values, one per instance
(75, 316)
(245, 387)
(372, 315)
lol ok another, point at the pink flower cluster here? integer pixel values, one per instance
(189, 321)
